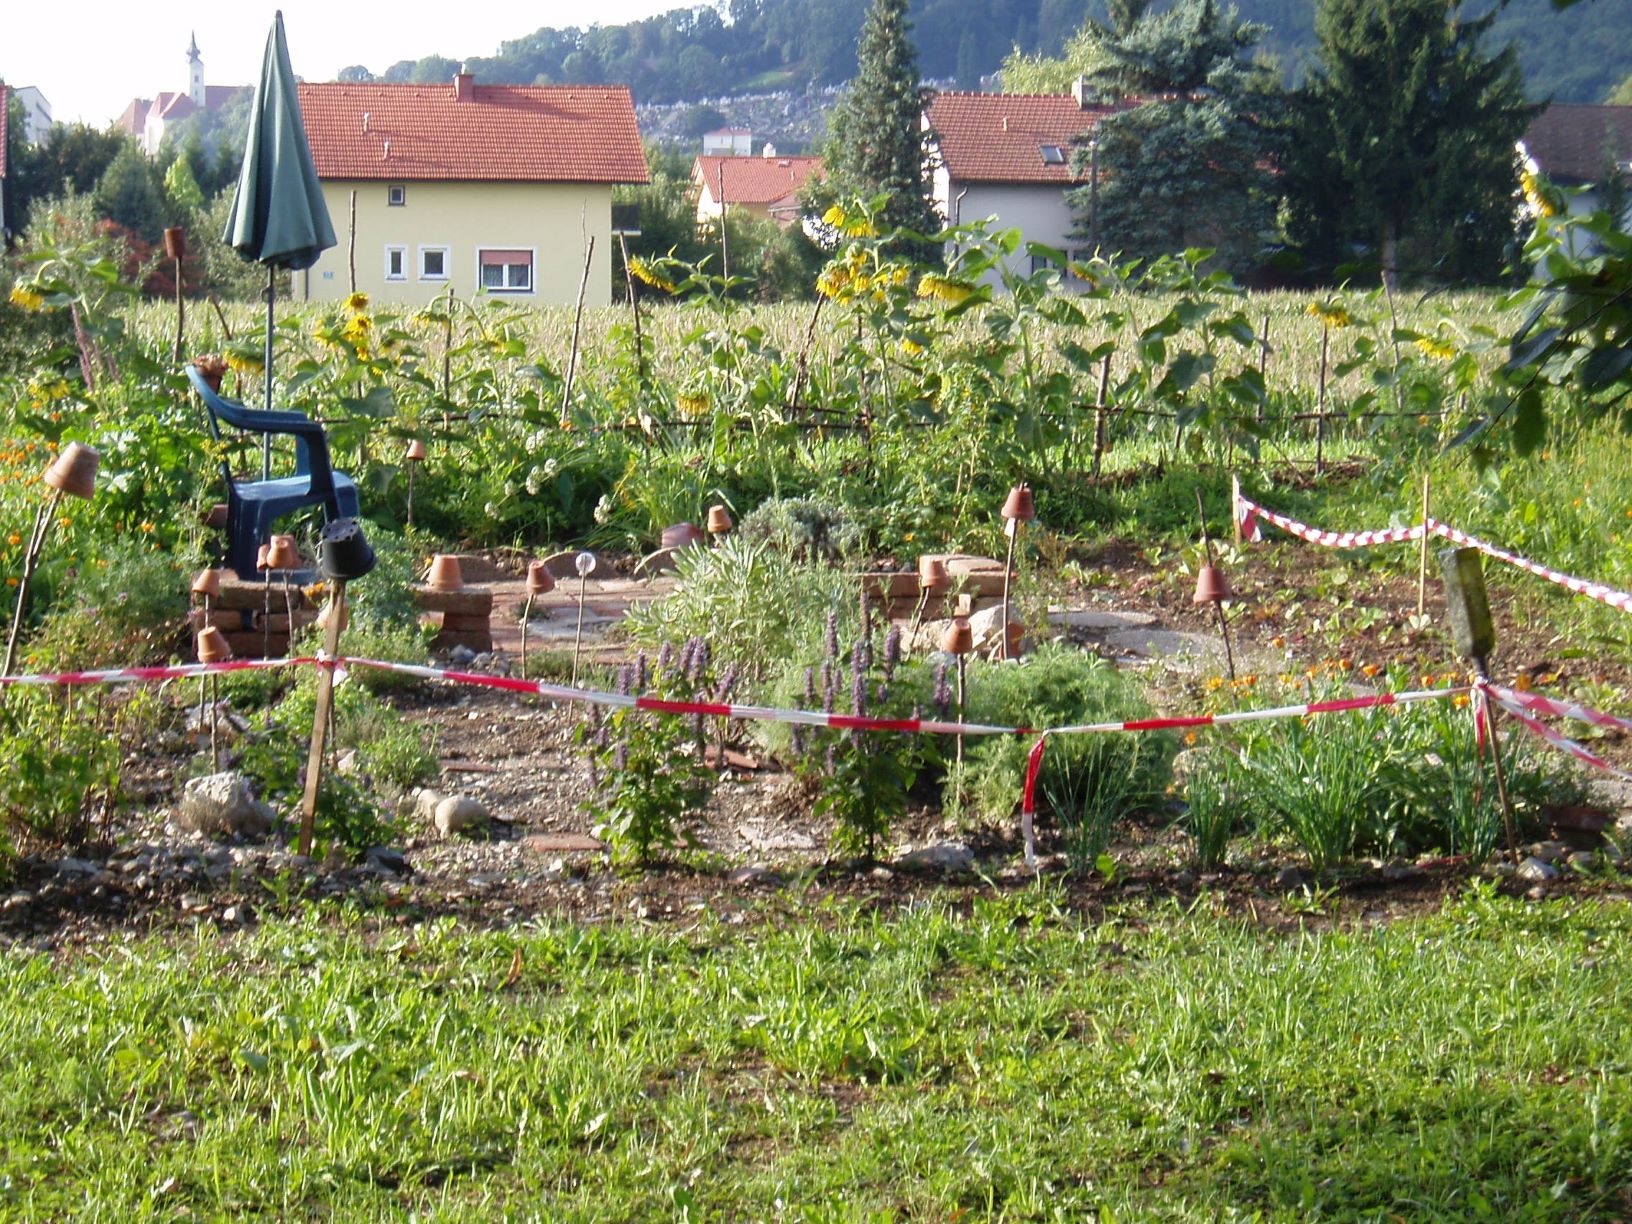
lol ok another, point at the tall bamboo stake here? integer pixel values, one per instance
(1320, 407)
(577, 329)
(1099, 412)
(1422, 558)
(321, 716)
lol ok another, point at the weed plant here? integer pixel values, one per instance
(1214, 786)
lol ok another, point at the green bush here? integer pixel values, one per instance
(128, 608)
(802, 528)
(60, 757)
(753, 606)
(1086, 781)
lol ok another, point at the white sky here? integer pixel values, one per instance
(91, 57)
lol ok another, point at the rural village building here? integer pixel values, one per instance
(36, 112)
(728, 142)
(1574, 146)
(1010, 157)
(469, 187)
(765, 186)
(149, 120)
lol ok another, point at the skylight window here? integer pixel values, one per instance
(1053, 155)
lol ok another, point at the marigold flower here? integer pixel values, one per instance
(14, 539)
(147, 527)
(1370, 669)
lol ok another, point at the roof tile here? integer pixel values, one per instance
(1570, 142)
(755, 180)
(999, 138)
(502, 134)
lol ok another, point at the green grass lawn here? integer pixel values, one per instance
(823, 1062)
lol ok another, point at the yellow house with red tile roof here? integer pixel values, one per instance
(496, 189)
(763, 186)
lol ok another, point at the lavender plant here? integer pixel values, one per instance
(647, 770)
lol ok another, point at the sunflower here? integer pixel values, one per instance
(1430, 346)
(357, 303)
(644, 272)
(25, 297)
(944, 289)
(1330, 314)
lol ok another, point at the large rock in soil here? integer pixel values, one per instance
(221, 803)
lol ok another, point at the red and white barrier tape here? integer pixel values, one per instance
(145, 675)
(1579, 751)
(1248, 513)
(1519, 705)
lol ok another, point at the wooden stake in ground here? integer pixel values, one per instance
(577, 330)
(1099, 412)
(1422, 558)
(320, 717)
(958, 641)
(1320, 404)
(1235, 508)
(1211, 588)
(634, 311)
(175, 246)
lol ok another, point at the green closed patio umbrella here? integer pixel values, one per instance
(278, 215)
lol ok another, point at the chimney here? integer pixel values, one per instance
(1079, 91)
(464, 86)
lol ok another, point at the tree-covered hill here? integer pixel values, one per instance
(755, 46)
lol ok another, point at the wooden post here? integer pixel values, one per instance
(1320, 406)
(634, 310)
(351, 248)
(725, 255)
(1263, 363)
(578, 635)
(1422, 558)
(1218, 604)
(181, 314)
(447, 355)
(320, 717)
(44, 517)
(577, 325)
(1235, 508)
(1099, 412)
(1012, 526)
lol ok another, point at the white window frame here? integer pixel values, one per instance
(532, 271)
(393, 248)
(396, 195)
(447, 255)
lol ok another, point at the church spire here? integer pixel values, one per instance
(192, 47)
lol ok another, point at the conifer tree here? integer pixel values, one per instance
(876, 142)
(1404, 136)
(1188, 165)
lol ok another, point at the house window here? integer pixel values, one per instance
(396, 263)
(396, 195)
(433, 263)
(506, 271)
(1053, 155)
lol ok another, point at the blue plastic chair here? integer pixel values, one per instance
(253, 507)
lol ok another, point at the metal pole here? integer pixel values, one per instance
(1422, 559)
(1093, 195)
(266, 439)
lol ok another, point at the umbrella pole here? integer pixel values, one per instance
(266, 439)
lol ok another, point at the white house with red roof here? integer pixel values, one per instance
(765, 186)
(491, 188)
(151, 119)
(728, 142)
(1012, 158)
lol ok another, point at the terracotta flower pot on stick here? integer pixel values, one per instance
(1018, 508)
(539, 582)
(212, 647)
(71, 474)
(413, 457)
(958, 641)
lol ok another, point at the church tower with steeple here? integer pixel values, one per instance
(195, 73)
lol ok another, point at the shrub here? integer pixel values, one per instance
(802, 528)
(126, 609)
(749, 602)
(1086, 780)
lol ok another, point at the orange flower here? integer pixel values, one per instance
(1370, 669)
